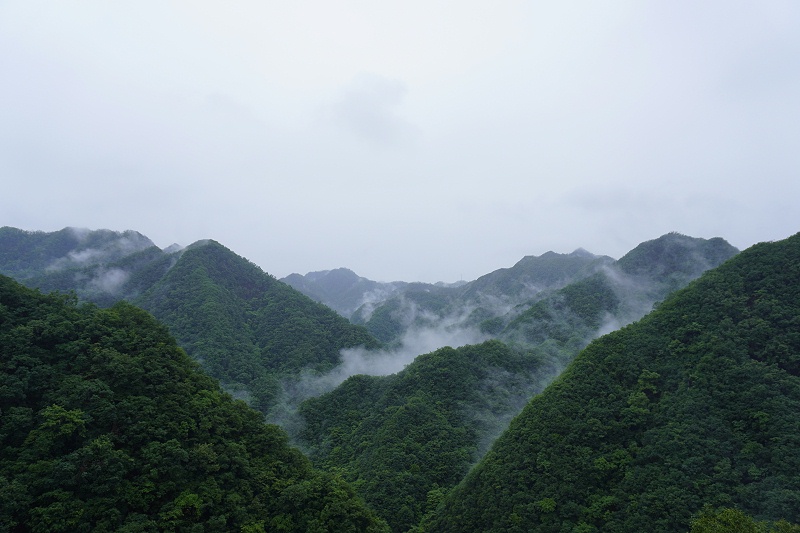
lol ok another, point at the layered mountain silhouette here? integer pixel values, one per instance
(688, 406)
(696, 404)
(569, 298)
(246, 328)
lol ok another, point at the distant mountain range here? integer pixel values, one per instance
(258, 335)
(406, 440)
(577, 295)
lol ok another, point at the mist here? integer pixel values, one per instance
(361, 361)
(109, 281)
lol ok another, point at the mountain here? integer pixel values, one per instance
(374, 430)
(696, 403)
(404, 440)
(617, 293)
(101, 266)
(341, 289)
(247, 329)
(417, 306)
(108, 426)
(571, 298)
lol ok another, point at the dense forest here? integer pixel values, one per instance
(684, 420)
(108, 426)
(247, 329)
(697, 403)
(404, 440)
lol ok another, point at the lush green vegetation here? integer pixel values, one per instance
(245, 327)
(404, 440)
(648, 424)
(106, 425)
(697, 403)
(569, 316)
(729, 520)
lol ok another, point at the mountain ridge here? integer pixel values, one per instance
(698, 402)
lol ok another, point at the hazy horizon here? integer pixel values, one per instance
(415, 141)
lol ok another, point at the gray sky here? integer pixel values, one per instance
(414, 140)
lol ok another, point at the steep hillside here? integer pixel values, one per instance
(697, 403)
(404, 440)
(100, 266)
(248, 329)
(108, 426)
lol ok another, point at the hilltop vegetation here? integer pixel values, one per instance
(404, 440)
(108, 426)
(247, 329)
(697, 403)
(593, 460)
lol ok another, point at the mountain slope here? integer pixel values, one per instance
(101, 266)
(404, 440)
(697, 403)
(108, 426)
(247, 328)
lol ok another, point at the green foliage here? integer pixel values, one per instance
(246, 328)
(404, 440)
(697, 403)
(106, 425)
(727, 520)
(673, 260)
(572, 313)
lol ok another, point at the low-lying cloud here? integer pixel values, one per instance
(359, 360)
(110, 281)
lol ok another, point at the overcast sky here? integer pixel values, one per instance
(414, 140)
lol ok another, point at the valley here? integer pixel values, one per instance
(400, 389)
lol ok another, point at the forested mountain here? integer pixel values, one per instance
(106, 425)
(505, 304)
(101, 266)
(697, 403)
(619, 292)
(246, 328)
(480, 304)
(377, 428)
(404, 440)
